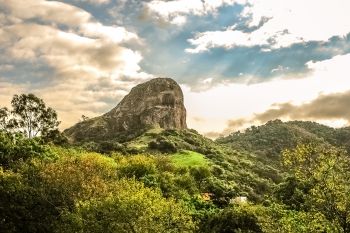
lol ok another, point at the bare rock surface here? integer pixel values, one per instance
(156, 103)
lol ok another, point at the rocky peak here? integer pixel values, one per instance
(156, 103)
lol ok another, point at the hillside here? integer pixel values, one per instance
(191, 183)
(270, 139)
(236, 172)
(156, 175)
(244, 163)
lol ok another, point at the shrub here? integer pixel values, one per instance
(15, 148)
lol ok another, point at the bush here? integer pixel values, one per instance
(163, 145)
(233, 220)
(15, 148)
(55, 137)
(132, 208)
(136, 166)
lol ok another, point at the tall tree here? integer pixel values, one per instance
(31, 116)
(4, 114)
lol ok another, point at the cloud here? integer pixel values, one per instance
(6, 67)
(53, 11)
(67, 15)
(226, 39)
(72, 99)
(94, 2)
(332, 109)
(86, 64)
(232, 125)
(279, 24)
(7, 90)
(176, 11)
(166, 45)
(101, 53)
(234, 106)
(325, 107)
(213, 135)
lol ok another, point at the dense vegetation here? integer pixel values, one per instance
(270, 139)
(280, 177)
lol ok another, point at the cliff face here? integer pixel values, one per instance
(156, 103)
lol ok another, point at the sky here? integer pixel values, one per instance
(239, 62)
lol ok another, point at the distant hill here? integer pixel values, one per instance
(274, 136)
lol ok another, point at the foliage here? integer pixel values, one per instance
(23, 208)
(326, 172)
(132, 208)
(276, 218)
(163, 145)
(234, 219)
(135, 187)
(15, 149)
(4, 114)
(55, 137)
(236, 172)
(270, 139)
(31, 116)
(137, 166)
(63, 195)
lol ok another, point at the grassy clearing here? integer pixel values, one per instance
(186, 158)
(142, 141)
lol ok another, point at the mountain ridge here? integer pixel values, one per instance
(274, 136)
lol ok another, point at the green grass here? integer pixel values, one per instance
(186, 158)
(142, 141)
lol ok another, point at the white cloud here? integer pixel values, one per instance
(92, 65)
(112, 33)
(176, 11)
(66, 51)
(222, 103)
(226, 39)
(68, 15)
(309, 20)
(290, 21)
(54, 11)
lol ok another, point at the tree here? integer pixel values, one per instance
(4, 114)
(31, 116)
(84, 118)
(326, 172)
(15, 148)
(233, 219)
(130, 208)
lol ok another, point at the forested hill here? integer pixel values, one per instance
(274, 136)
(170, 180)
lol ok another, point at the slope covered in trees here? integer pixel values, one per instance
(55, 189)
(270, 139)
(280, 177)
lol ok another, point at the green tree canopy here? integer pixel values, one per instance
(4, 114)
(30, 116)
(326, 173)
